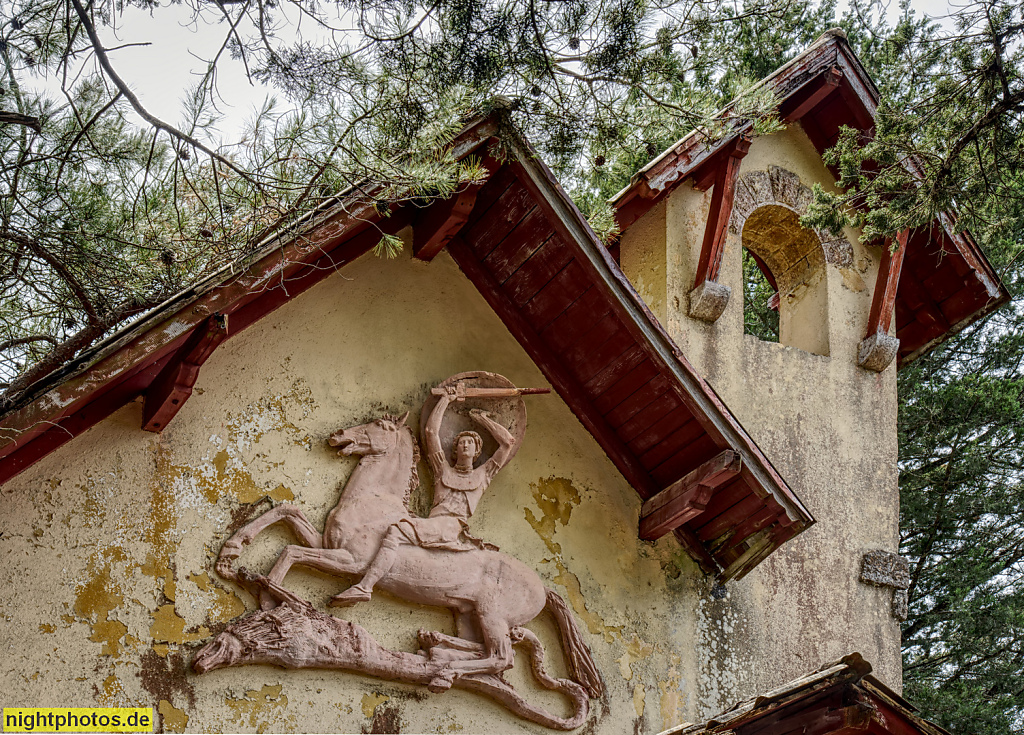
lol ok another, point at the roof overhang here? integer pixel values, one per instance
(542, 269)
(838, 699)
(946, 282)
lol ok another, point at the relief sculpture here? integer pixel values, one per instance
(371, 534)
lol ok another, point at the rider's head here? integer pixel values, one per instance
(467, 447)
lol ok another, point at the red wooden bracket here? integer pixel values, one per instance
(878, 348)
(687, 498)
(884, 298)
(173, 386)
(441, 222)
(829, 83)
(709, 298)
(720, 212)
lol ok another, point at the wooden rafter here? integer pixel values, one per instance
(687, 498)
(884, 298)
(830, 81)
(173, 386)
(721, 209)
(709, 298)
(439, 223)
(878, 349)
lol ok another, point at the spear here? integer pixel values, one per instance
(462, 392)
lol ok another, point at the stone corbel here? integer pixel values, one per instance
(885, 569)
(708, 301)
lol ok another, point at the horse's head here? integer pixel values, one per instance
(373, 438)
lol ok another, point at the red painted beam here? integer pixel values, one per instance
(878, 348)
(718, 216)
(884, 298)
(686, 498)
(438, 224)
(830, 81)
(173, 386)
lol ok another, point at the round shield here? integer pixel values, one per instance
(509, 411)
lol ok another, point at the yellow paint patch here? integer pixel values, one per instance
(96, 599)
(170, 627)
(47, 628)
(161, 649)
(174, 719)
(636, 650)
(226, 604)
(109, 633)
(162, 521)
(639, 699)
(852, 280)
(113, 693)
(202, 581)
(260, 707)
(371, 702)
(556, 497)
(671, 696)
(238, 483)
(280, 493)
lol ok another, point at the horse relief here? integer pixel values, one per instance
(371, 534)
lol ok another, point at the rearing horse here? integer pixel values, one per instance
(491, 594)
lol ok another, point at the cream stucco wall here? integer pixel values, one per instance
(827, 425)
(108, 543)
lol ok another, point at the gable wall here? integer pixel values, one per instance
(108, 543)
(827, 425)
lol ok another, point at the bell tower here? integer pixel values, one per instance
(803, 393)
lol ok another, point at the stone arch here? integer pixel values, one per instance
(766, 214)
(782, 188)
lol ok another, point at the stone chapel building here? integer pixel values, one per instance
(718, 512)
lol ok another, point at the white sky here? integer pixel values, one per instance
(179, 45)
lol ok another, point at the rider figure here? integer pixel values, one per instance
(457, 490)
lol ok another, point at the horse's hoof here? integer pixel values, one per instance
(349, 597)
(442, 682)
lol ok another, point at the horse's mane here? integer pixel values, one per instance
(414, 475)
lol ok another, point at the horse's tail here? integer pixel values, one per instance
(581, 664)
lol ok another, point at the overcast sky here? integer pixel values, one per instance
(179, 45)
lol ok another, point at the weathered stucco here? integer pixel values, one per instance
(108, 543)
(828, 426)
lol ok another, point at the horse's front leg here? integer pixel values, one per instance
(332, 561)
(304, 531)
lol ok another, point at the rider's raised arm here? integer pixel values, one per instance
(432, 431)
(506, 442)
